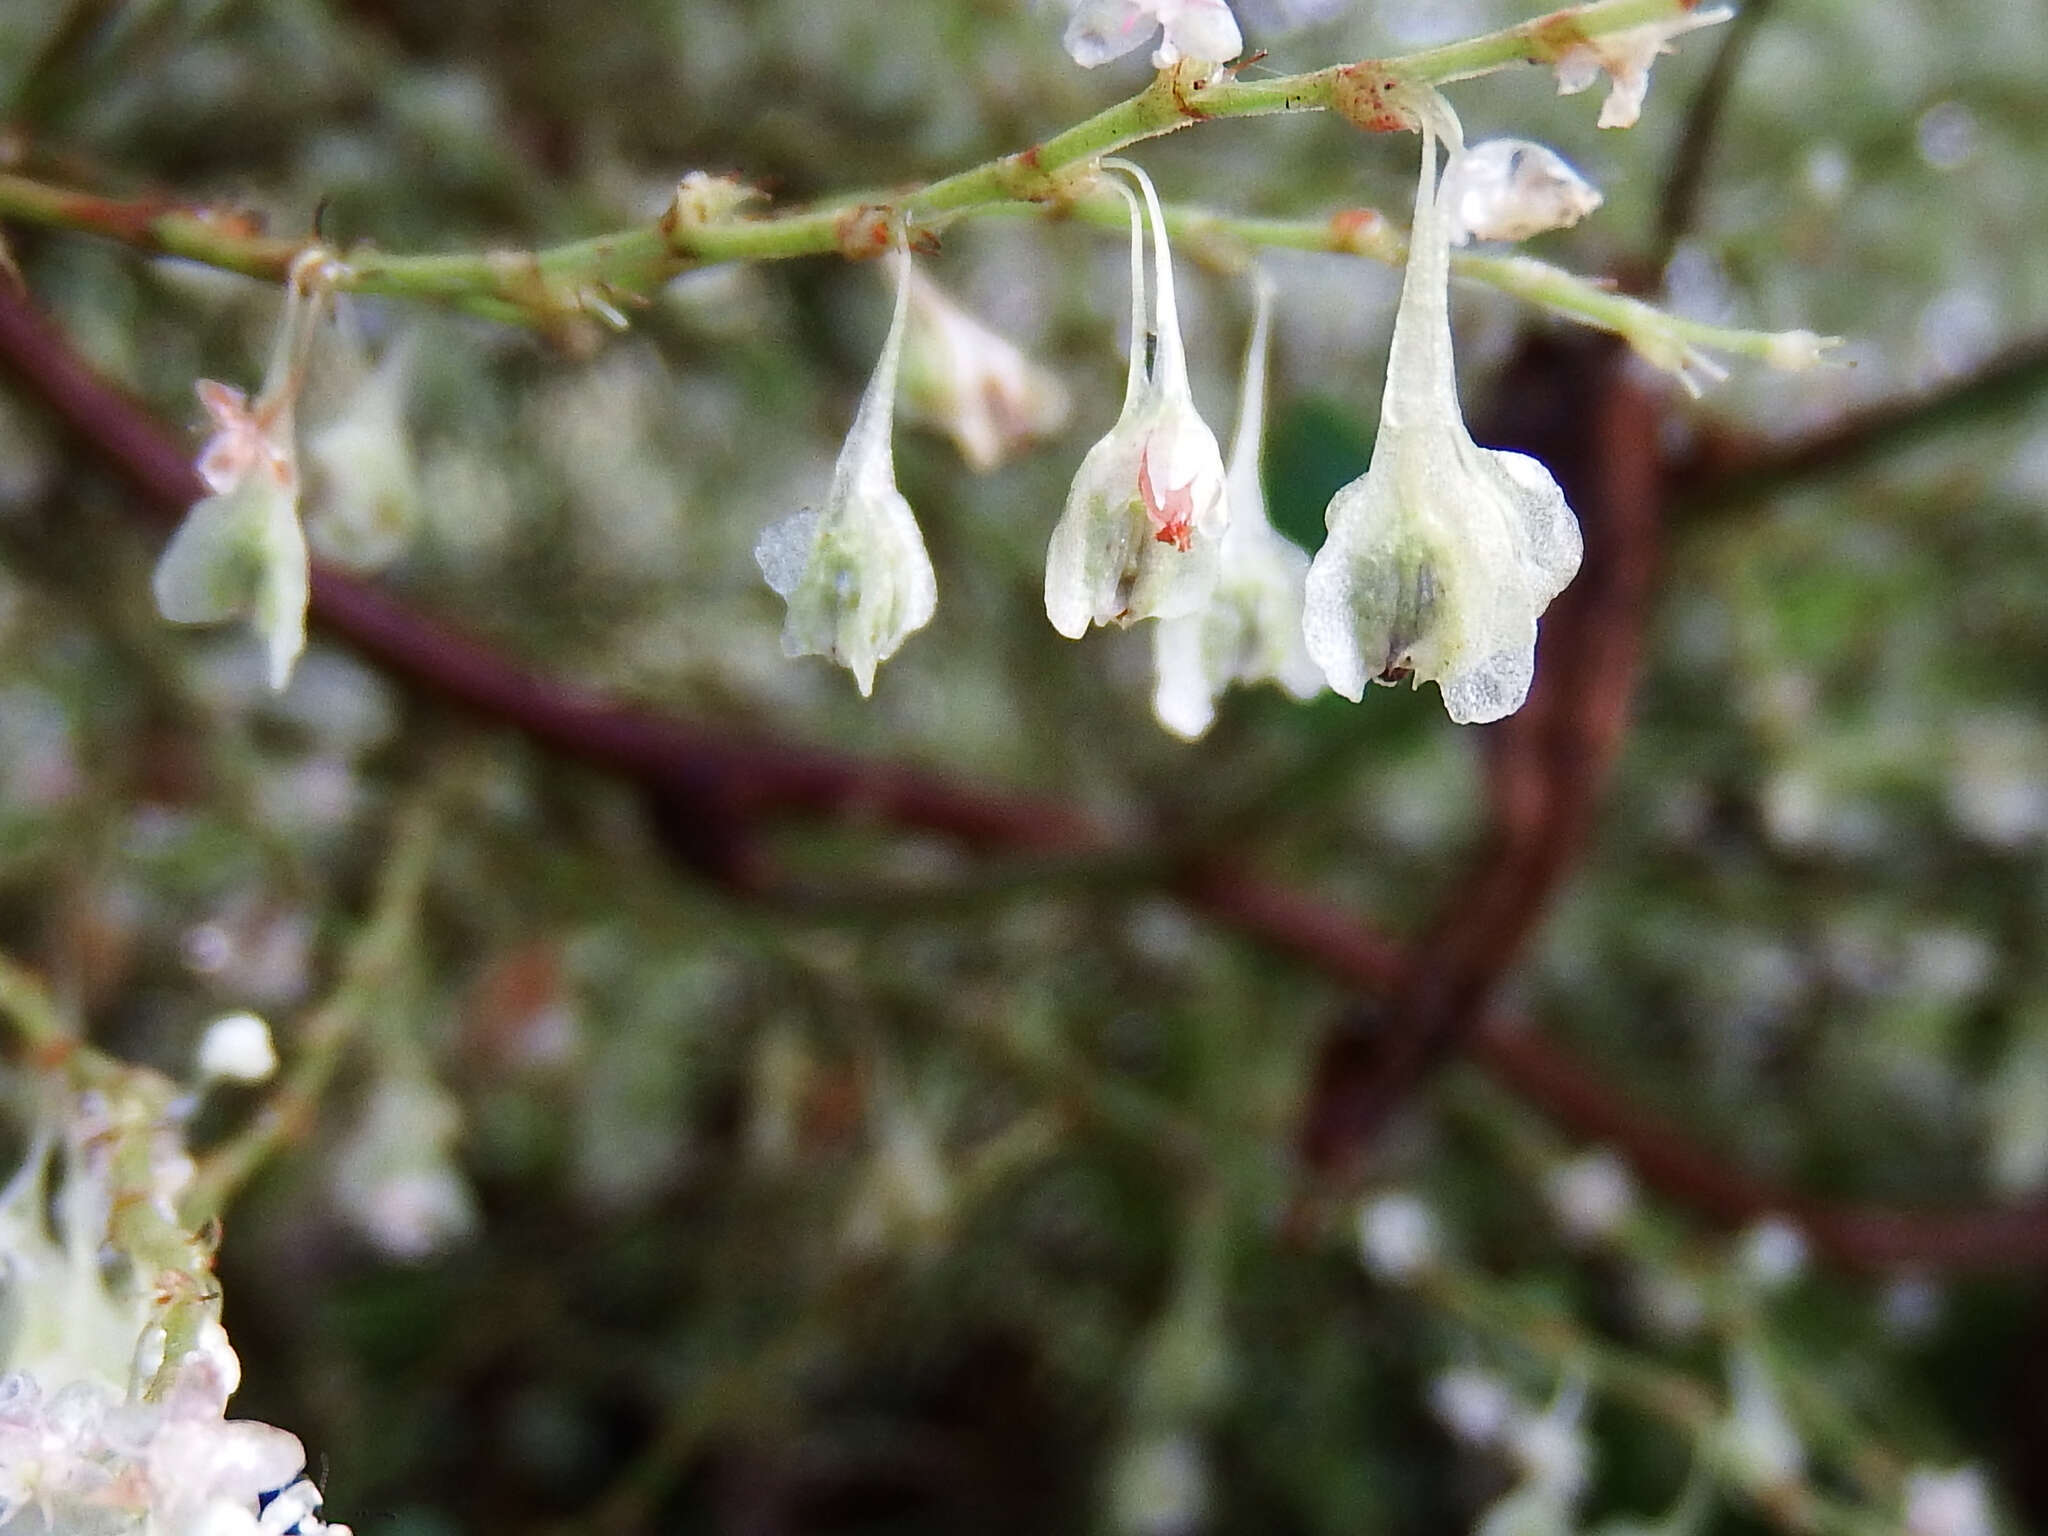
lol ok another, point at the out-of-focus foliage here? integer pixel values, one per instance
(636, 1199)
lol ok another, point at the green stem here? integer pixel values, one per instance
(555, 283)
(367, 974)
(1673, 1397)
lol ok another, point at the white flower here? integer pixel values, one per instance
(1475, 1406)
(1510, 189)
(237, 1047)
(1250, 630)
(1954, 1503)
(1144, 520)
(1102, 30)
(1772, 1254)
(856, 576)
(962, 378)
(241, 552)
(395, 1177)
(1590, 1195)
(1159, 1485)
(1757, 1437)
(366, 500)
(1626, 57)
(1440, 556)
(1397, 1237)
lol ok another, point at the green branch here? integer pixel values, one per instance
(593, 275)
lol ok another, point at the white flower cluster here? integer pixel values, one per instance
(100, 1435)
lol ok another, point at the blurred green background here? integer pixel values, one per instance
(642, 1206)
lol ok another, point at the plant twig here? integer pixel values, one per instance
(591, 274)
(746, 783)
(366, 981)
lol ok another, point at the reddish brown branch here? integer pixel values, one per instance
(1543, 779)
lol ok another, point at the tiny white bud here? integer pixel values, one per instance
(1591, 1195)
(856, 576)
(1159, 1486)
(237, 1048)
(976, 386)
(1798, 351)
(1397, 1236)
(1475, 1406)
(1626, 56)
(1140, 535)
(1772, 1254)
(1510, 189)
(1956, 1503)
(1101, 30)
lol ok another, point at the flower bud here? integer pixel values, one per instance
(1954, 1503)
(962, 378)
(1510, 189)
(856, 576)
(366, 488)
(1397, 1237)
(1102, 30)
(1626, 56)
(1442, 555)
(1140, 535)
(236, 1048)
(1250, 630)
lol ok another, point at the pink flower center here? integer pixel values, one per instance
(1172, 515)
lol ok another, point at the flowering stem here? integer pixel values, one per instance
(366, 980)
(558, 282)
(1672, 1396)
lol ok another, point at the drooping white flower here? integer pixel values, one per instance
(366, 490)
(1250, 630)
(978, 388)
(241, 551)
(1771, 1254)
(1145, 518)
(1442, 555)
(395, 1177)
(1101, 30)
(1625, 57)
(1510, 189)
(856, 576)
